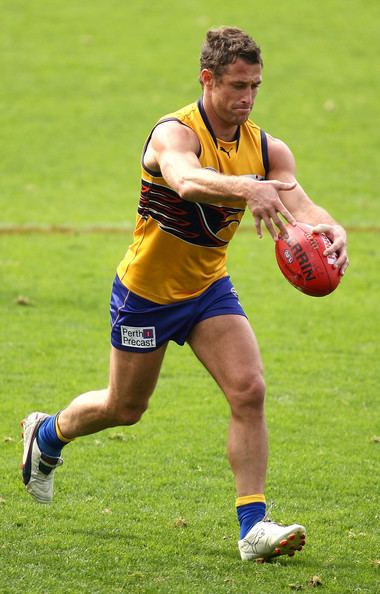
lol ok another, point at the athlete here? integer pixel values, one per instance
(202, 166)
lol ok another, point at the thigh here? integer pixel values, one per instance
(133, 376)
(140, 325)
(227, 347)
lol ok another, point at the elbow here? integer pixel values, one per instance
(186, 190)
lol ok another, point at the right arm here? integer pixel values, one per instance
(173, 150)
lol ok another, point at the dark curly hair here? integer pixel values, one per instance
(224, 46)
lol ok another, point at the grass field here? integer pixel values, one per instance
(150, 509)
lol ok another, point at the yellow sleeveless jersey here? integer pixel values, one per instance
(179, 247)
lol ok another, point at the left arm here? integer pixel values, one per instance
(283, 168)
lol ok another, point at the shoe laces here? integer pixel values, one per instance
(266, 518)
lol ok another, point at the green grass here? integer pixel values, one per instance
(84, 82)
(113, 526)
(150, 509)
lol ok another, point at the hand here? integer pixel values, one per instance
(265, 205)
(338, 237)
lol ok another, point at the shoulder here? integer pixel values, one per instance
(170, 135)
(173, 133)
(186, 113)
(279, 154)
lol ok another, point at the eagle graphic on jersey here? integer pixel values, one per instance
(207, 225)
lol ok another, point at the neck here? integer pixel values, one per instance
(222, 129)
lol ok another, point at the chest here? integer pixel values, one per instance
(241, 157)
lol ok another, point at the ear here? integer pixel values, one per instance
(206, 77)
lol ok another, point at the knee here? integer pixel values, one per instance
(129, 415)
(247, 398)
(125, 413)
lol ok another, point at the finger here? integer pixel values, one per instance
(336, 246)
(258, 227)
(280, 224)
(336, 243)
(341, 261)
(283, 186)
(333, 248)
(287, 215)
(269, 226)
(344, 267)
(321, 228)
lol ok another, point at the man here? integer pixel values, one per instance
(201, 167)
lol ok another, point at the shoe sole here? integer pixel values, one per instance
(26, 465)
(289, 545)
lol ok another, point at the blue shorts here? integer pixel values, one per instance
(141, 325)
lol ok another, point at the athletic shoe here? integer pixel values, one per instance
(268, 539)
(37, 467)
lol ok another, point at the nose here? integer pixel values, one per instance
(248, 97)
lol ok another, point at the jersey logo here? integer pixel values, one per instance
(226, 151)
(207, 225)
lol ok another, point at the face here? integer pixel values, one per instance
(232, 96)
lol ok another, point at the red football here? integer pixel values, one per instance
(301, 261)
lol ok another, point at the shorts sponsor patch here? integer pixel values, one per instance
(138, 337)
